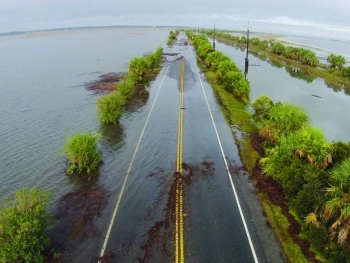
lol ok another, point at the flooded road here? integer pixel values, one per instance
(142, 227)
(131, 197)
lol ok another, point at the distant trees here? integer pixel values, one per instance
(172, 36)
(301, 55)
(226, 71)
(336, 61)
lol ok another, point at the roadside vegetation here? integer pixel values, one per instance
(336, 73)
(82, 154)
(303, 180)
(110, 107)
(23, 222)
(172, 37)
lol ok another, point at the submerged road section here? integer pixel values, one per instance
(183, 196)
(179, 213)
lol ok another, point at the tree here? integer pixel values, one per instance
(308, 143)
(110, 107)
(336, 61)
(337, 209)
(243, 40)
(282, 119)
(81, 151)
(254, 41)
(224, 67)
(214, 58)
(23, 222)
(138, 66)
(263, 45)
(262, 105)
(204, 49)
(278, 48)
(234, 82)
(308, 57)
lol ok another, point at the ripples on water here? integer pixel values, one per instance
(43, 99)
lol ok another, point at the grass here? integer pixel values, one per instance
(236, 112)
(280, 225)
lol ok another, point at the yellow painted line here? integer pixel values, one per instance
(179, 212)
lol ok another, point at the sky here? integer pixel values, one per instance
(26, 15)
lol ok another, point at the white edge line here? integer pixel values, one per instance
(228, 171)
(129, 169)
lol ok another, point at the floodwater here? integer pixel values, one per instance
(326, 108)
(43, 100)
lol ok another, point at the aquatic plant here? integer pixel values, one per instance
(81, 151)
(110, 107)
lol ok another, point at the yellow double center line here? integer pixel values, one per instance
(179, 214)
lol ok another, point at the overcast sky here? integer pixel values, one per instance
(24, 15)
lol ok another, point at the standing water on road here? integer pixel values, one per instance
(43, 100)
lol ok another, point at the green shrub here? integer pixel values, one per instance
(81, 151)
(110, 107)
(262, 105)
(23, 222)
(126, 88)
(139, 66)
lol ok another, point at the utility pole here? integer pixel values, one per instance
(214, 38)
(246, 58)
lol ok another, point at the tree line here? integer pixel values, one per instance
(227, 72)
(304, 56)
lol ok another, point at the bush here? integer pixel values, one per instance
(262, 105)
(23, 222)
(110, 107)
(126, 88)
(81, 151)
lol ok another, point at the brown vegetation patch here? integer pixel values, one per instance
(105, 83)
(108, 257)
(77, 212)
(162, 230)
(256, 142)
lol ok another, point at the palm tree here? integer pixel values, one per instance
(282, 119)
(337, 208)
(308, 143)
(138, 66)
(278, 48)
(336, 61)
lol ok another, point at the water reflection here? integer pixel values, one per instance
(299, 74)
(111, 133)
